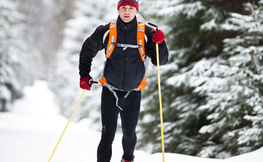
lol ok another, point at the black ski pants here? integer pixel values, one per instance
(109, 116)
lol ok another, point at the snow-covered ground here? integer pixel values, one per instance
(29, 133)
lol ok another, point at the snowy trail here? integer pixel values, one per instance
(30, 132)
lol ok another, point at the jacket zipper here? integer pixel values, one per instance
(124, 75)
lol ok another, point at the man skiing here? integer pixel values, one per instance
(127, 43)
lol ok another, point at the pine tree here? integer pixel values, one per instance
(87, 16)
(235, 105)
(200, 81)
(16, 62)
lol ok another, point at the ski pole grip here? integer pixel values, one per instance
(96, 82)
(153, 25)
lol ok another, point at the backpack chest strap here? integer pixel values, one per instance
(125, 46)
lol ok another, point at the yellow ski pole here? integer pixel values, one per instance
(160, 97)
(67, 125)
(159, 91)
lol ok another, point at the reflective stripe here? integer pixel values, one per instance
(112, 39)
(125, 46)
(141, 49)
(140, 42)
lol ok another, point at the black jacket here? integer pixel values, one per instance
(125, 68)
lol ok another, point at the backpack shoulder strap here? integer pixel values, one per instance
(112, 38)
(140, 39)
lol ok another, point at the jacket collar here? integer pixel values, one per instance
(122, 24)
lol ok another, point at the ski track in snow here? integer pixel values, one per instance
(30, 132)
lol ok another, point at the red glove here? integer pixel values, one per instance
(86, 83)
(158, 36)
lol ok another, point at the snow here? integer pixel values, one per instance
(30, 131)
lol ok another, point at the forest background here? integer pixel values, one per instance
(212, 86)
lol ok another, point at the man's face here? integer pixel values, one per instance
(127, 13)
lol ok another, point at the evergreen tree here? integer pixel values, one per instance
(235, 104)
(203, 84)
(87, 16)
(16, 67)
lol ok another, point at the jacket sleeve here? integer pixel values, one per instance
(150, 49)
(89, 50)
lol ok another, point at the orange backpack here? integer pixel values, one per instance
(140, 45)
